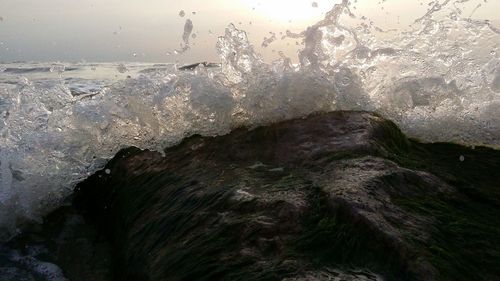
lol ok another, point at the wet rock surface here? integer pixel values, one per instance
(65, 247)
(337, 196)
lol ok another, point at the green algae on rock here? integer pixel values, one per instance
(343, 190)
(334, 196)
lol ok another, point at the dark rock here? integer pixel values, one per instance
(195, 65)
(14, 273)
(299, 199)
(64, 247)
(337, 196)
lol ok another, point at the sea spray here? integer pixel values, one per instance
(438, 80)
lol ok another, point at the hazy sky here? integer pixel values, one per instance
(146, 30)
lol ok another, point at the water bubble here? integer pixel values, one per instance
(182, 13)
(314, 4)
(107, 171)
(462, 158)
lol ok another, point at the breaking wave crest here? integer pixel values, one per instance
(439, 81)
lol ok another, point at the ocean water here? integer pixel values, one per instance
(438, 79)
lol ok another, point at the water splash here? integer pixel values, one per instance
(439, 80)
(188, 29)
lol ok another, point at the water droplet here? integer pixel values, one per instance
(314, 4)
(107, 171)
(182, 13)
(121, 68)
(462, 158)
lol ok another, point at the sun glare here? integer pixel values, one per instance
(289, 10)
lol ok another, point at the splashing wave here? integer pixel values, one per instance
(439, 80)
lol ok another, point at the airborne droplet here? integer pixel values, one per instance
(188, 29)
(121, 68)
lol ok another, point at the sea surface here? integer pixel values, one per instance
(438, 79)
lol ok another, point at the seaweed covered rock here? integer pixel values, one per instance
(337, 196)
(334, 196)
